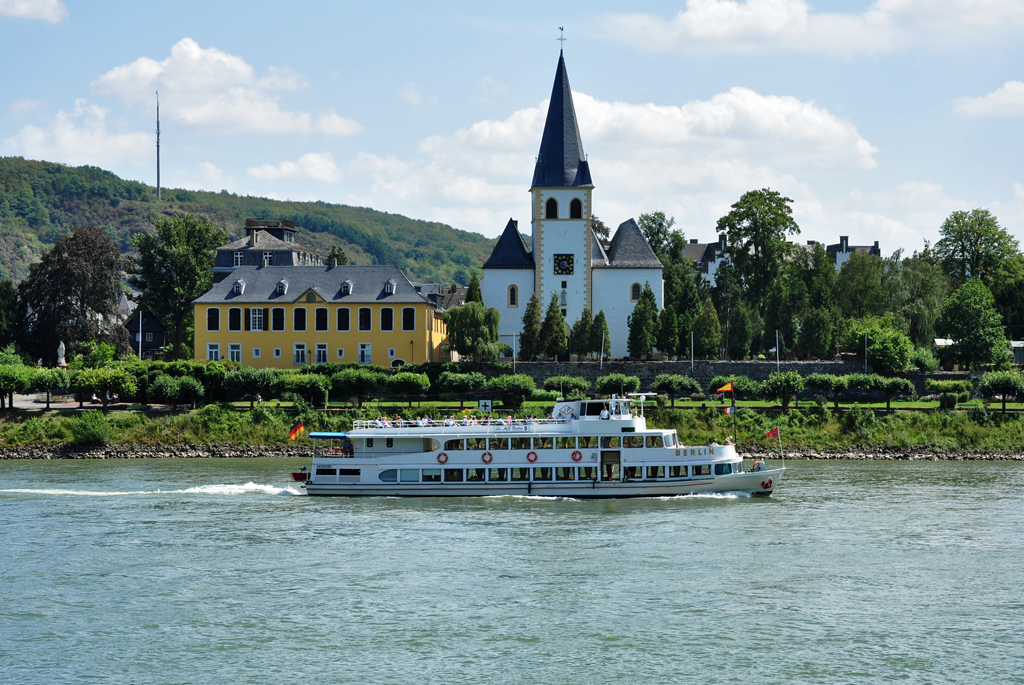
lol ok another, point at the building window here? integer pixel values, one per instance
(346, 288)
(255, 353)
(268, 258)
(551, 209)
(321, 353)
(239, 287)
(364, 318)
(299, 319)
(408, 318)
(299, 354)
(365, 353)
(213, 352)
(341, 353)
(256, 319)
(344, 319)
(387, 319)
(389, 287)
(234, 319)
(213, 319)
(277, 353)
(238, 259)
(564, 264)
(321, 318)
(391, 353)
(575, 209)
(277, 319)
(149, 337)
(310, 297)
(634, 292)
(513, 296)
(282, 287)
(235, 352)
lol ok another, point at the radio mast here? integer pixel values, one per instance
(158, 145)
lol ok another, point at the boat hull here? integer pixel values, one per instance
(753, 483)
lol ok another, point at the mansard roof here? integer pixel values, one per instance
(367, 285)
(511, 251)
(629, 249)
(561, 161)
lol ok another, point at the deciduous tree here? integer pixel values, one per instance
(969, 317)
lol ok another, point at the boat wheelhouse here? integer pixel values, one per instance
(589, 449)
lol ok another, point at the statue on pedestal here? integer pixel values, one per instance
(60, 356)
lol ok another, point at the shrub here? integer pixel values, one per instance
(90, 428)
(409, 385)
(617, 384)
(745, 388)
(675, 385)
(952, 387)
(311, 387)
(567, 384)
(859, 422)
(829, 384)
(165, 389)
(455, 383)
(1002, 384)
(544, 396)
(249, 382)
(924, 360)
(190, 390)
(980, 416)
(514, 388)
(889, 351)
(784, 386)
(356, 382)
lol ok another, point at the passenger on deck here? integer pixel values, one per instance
(605, 415)
(728, 441)
(508, 420)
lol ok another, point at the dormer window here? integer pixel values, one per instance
(346, 288)
(389, 287)
(282, 287)
(239, 287)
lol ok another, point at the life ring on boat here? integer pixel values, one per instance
(487, 457)
(442, 458)
(531, 457)
(577, 455)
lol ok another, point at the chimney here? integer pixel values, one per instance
(812, 242)
(876, 247)
(844, 243)
(334, 261)
(693, 241)
(721, 241)
(252, 239)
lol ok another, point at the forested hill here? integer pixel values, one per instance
(39, 201)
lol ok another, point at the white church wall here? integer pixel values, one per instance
(494, 288)
(612, 294)
(562, 236)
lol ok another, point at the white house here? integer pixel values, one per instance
(564, 256)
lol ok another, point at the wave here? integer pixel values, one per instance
(220, 489)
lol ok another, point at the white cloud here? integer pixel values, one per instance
(1018, 191)
(23, 108)
(312, 166)
(1007, 100)
(212, 90)
(794, 25)
(81, 137)
(52, 11)
(411, 94)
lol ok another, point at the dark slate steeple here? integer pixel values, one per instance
(561, 162)
(511, 251)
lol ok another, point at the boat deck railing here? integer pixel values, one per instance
(454, 423)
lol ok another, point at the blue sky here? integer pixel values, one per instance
(877, 118)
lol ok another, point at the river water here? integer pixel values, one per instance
(219, 571)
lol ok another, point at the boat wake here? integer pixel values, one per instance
(221, 489)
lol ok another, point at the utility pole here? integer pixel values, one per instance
(157, 148)
(140, 332)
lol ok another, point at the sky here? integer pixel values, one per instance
(878, 119)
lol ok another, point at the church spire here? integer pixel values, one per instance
(561, 162)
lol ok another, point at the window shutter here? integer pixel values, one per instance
(266, 318)
(245, 315)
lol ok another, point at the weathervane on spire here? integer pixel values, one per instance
(561, 37)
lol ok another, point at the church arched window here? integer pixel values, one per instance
(513, 296)
(551, 209)
(634, 292)
(575, 209)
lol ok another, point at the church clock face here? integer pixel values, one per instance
(563, 264)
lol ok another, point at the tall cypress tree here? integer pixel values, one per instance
(668, 335)
(473, 293)
(552, 331)
(579, 336)
(643, 324)
(600, 341)
(529, 341)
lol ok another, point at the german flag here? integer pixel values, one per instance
(725, 388)
(296, 429)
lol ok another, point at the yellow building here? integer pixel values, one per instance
(287, 316)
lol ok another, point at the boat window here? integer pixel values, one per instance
(391, 442)
(634, 472)
(520, 443)
(670, 440)
(388, 476)
(348, 474)
(588, 441)
(565, 473)
(723, 469)
(543, 443)
(497, 475)
(475, 475)
(611, 472)
(452, 475)
(655, 441)
(542, 473)
(410, 475)
(655, 471)
(476, 443)
(565, 443)
(520, 473)
(588, 472)
(431, 445)
(326, 472)
(594, 408)
(369, 442)
(431, 475)
(611, 441)
(498, 443)
(677, 472)
(453, 444)
(702, 470)
(633, 441)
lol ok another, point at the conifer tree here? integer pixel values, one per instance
(668, 334)
(339, 254)
(707, 332)
(473, 293)
(579, 336)
(552, 331)
(643, 324)
(529, 341)
(600, 341)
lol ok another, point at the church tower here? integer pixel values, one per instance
(561, 195)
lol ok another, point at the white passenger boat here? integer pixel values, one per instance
(591, 449)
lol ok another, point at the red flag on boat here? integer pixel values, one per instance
(725, 388)
(773, 433)
(296, 429)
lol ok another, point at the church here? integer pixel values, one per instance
(563, 255)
